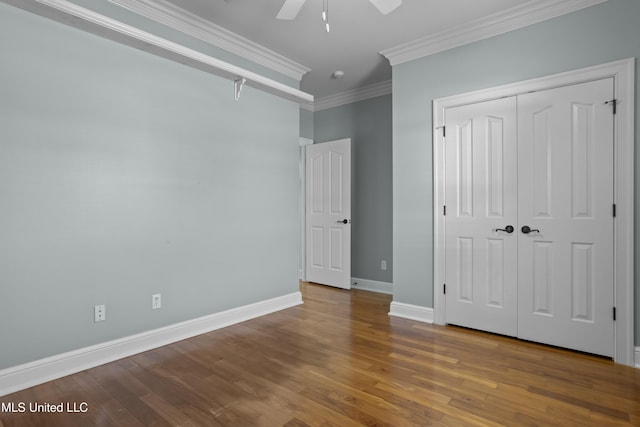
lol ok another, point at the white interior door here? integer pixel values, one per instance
(481, 203)
(551, 279)
(328, 213)
(565, 164)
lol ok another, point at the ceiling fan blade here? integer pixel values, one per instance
(386, 6)
(290, 9)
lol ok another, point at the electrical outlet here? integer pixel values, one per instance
(383, 265)
(156, 301)
(100, 313)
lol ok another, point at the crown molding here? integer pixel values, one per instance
(530, 13)
(307, 107)
(87, 20)
(350, 96)
(179, 19)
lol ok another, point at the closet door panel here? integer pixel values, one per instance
(565, 196)
(481, 199)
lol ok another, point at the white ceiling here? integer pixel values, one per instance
(358, 32)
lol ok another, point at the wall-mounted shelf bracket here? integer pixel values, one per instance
(238, 84)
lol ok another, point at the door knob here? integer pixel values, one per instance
(507, 229)
(344, 221)
(526, 229)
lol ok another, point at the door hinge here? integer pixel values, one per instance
(444, 131)
(614, 314)
(614, 103)
(444, 210)
(614, 210)
(444, 288)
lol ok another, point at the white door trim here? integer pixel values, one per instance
(623, 72)
(302, 143)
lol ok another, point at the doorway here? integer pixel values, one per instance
(529, 231)
(328, 213)
(594, 291)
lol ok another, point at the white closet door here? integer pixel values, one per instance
(481, 199)
(565, 174)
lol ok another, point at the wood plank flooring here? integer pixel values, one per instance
(340, 360)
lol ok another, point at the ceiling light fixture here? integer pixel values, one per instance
(338, 74)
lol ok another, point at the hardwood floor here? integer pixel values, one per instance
(340, 360)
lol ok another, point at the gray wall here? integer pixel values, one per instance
(306, 123)
(368, 124)
(123, 175)
(595, 35)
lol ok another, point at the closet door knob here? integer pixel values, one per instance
(526, 229)
(507, 229)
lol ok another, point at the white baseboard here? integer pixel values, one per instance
(372, 285)
(40, 371)
(637, 352)
(412, 312)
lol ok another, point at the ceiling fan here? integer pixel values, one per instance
(290, 8)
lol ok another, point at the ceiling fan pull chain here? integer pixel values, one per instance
(325, 14)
